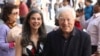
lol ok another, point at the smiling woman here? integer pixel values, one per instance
(33, 35)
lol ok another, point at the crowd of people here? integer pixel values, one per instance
(77, 32)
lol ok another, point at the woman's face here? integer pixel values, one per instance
(35, 21)
(13, 16)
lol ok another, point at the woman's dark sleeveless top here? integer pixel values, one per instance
(31, 50)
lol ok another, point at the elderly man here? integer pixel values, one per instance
(67, 40)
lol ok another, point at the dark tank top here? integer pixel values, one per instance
(31, 50)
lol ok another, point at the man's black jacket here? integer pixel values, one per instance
(78, 44)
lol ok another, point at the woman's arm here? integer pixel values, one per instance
(3, 44)
(18, 47)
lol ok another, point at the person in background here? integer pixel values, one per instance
(88, 11)
(34, 5)
(79, 13)
(65, 3)
(67, 40)
(93, 29)
(81, 5)
(23, 11)
(31, 41)
(56, 6)
(28, 3)
(49, 6)
(9, 16)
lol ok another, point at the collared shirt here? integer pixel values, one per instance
(93, 29)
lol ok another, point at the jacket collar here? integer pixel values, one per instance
(72, 33)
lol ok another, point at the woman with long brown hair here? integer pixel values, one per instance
(33, 35)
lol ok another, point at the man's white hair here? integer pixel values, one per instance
(66, 9)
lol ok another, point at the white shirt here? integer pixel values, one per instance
(93, 29)
(1, 1)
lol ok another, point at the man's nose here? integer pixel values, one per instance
(65, 21)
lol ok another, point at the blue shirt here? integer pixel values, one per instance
(88, 12)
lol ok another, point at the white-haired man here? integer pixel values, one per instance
(67, 40)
